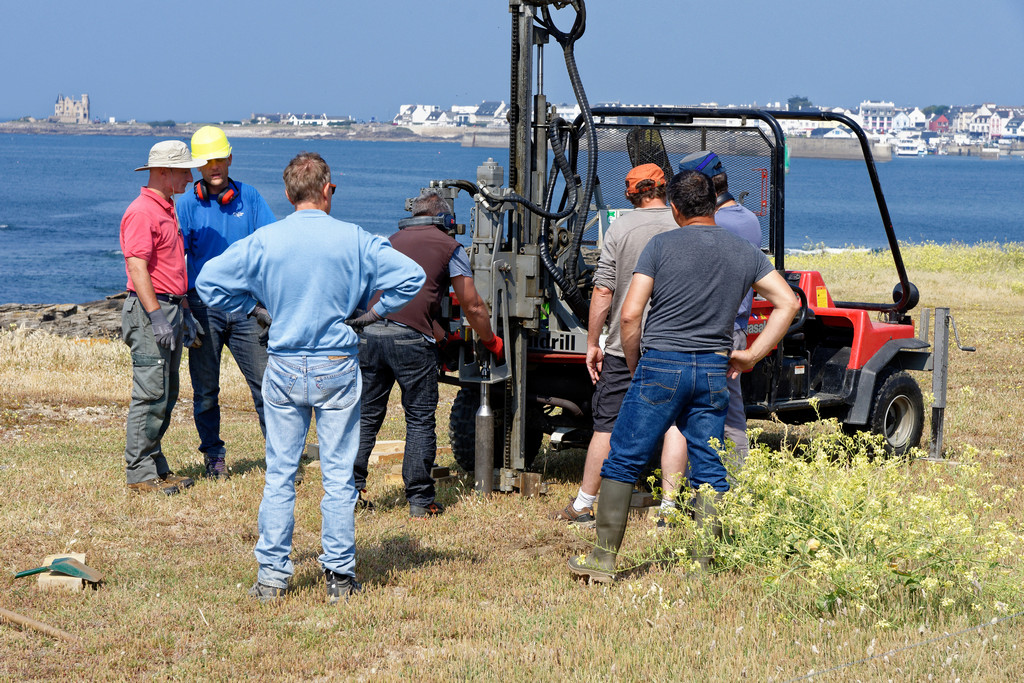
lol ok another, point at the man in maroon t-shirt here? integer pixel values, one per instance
(403, 348)
(155, 316)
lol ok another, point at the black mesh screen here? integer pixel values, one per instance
(744, 150)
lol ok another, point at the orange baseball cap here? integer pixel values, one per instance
(641, 173)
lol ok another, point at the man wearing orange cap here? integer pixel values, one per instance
(623, 244)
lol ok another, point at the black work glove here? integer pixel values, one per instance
(192, 330)
(264, 320)
(162, 329)
(262, 316)
(358, 322)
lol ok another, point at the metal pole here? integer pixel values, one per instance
(940, 366)
(483, 467)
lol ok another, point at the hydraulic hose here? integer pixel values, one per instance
(567, 41)
(562, 164)
(572, 293)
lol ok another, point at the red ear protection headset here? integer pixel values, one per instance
(224, 198)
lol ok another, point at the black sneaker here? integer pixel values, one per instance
(431, 510)
(340, 586)
(364, 503)
(265, 593)
(216, 467)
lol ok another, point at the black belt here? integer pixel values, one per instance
(169, 298)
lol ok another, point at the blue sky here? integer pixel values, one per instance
(225, 60)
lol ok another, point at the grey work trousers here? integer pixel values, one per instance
(736, 418)
(154, 389)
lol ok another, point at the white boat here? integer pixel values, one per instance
(908, 147)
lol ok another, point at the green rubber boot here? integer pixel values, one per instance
(705, 515)
(612, 513)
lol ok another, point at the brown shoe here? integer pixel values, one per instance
(584, 518)
(176, 480)
(154, 485)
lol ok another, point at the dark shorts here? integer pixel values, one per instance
(609, 391)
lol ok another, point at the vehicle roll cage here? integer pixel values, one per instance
(683, 116)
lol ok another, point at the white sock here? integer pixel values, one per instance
(583, 500)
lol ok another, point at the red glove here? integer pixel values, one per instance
(495, 346)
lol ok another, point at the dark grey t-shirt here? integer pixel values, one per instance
(701, 274)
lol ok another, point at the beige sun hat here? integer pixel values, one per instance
(171, 154)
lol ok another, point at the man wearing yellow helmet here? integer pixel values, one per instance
(216, 213)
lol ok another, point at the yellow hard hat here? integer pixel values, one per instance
(209, 142)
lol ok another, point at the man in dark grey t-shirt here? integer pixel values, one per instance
(694, 279)
(740, 221)
(622, 246)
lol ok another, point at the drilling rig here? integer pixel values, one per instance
(536, 234)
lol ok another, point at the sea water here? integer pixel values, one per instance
(62, 198)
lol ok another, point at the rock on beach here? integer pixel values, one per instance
(95, 319)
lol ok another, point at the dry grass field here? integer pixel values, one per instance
(482, 592)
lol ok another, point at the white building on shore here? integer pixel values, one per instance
(487, 113)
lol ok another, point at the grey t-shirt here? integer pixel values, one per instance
(741, 222)
(623, 244)
(701, 274)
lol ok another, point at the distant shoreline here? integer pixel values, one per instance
(479, 137)
(355, 131)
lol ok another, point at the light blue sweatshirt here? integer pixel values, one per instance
(311, 272)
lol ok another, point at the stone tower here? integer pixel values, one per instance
(70, 110)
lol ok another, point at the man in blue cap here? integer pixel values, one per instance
(741, 222)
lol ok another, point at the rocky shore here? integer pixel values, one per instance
(355, 131)
(96, 319)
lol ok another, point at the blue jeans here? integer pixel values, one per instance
(390, 353)
(685, 389)
(295, 388)
(240, 334)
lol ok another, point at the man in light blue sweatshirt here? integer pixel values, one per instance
(308, 274)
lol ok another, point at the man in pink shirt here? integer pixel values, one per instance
(155, 317)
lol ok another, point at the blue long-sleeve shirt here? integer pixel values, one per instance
(311, 272)
(209, 227)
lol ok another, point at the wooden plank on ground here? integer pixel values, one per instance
(50, 581)
(390, 452)
(387, 452)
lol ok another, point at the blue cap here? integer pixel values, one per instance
(707, 163)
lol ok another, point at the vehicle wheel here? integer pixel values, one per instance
(897, 411)
(462, 430)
